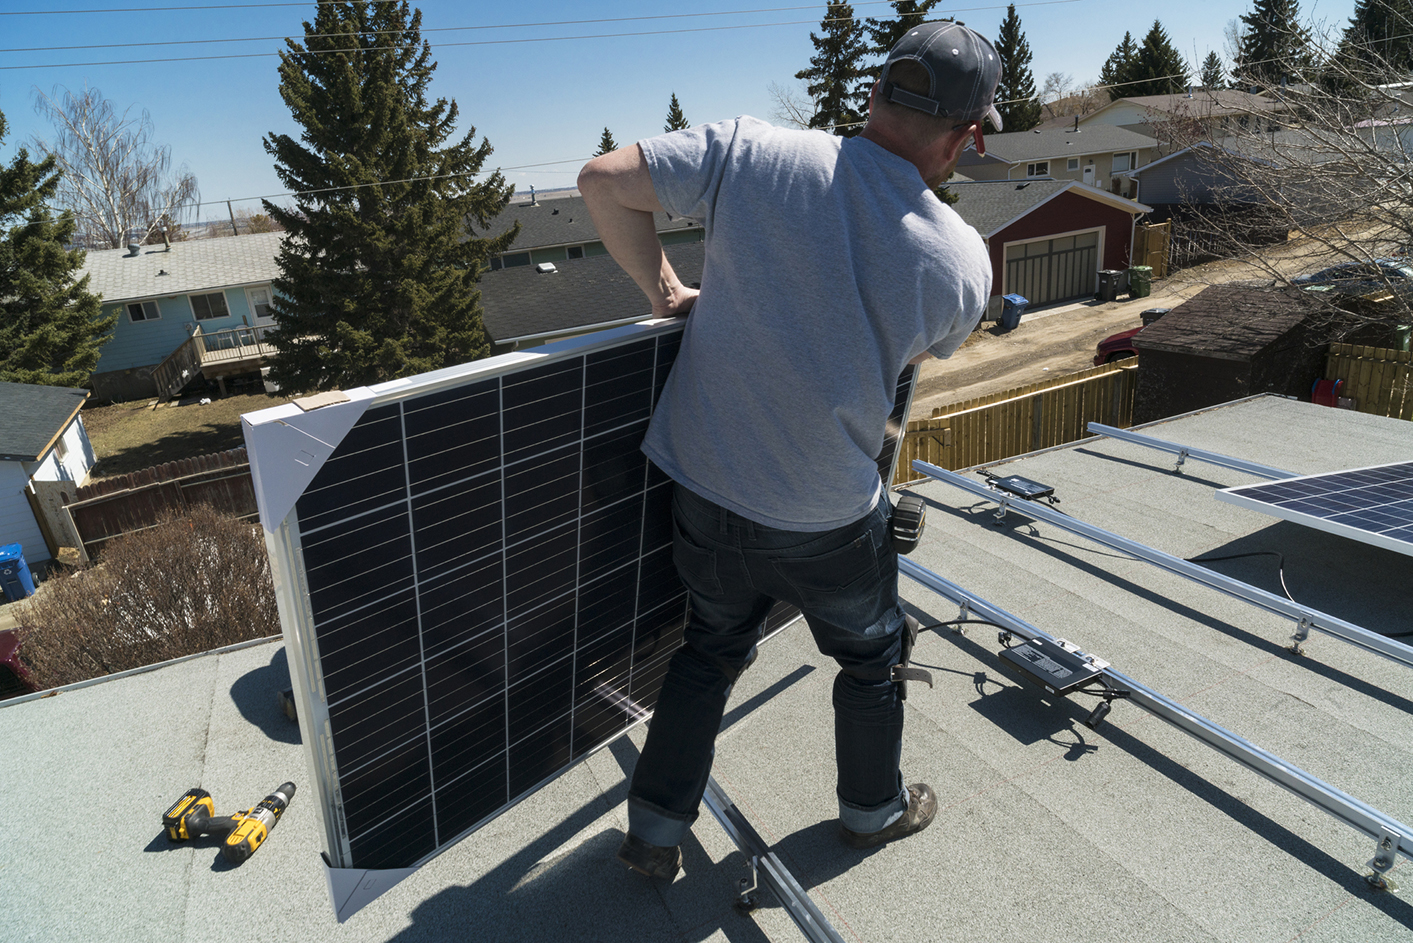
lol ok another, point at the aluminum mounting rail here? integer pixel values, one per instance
(1304, 617)
(1184, 452)
(767, 869)
(1392, 838)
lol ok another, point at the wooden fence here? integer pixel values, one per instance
(1038, 416)
(127, 503)
(1379, 380)
(1151, 243)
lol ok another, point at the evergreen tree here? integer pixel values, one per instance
(1015, 95)
(1213, 75)
(1118, 68)
(378, 275)
(882, 35)
(51, 325)
(834, 71)
(1158, 69)
(606, 144)
(1274, 46)
(1378, 43)
(676, 121)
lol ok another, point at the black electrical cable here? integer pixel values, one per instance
(939, 625)
(1280, 565)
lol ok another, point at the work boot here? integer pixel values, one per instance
(922, 808)
(653, 860)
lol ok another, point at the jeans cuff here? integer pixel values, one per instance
(655, 825)
(864, 820)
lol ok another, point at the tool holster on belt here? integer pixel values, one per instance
(902, 673)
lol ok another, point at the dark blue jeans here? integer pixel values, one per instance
(846, 583)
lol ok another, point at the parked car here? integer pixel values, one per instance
(1120, 346)
(1116, 347)
(1361, 278)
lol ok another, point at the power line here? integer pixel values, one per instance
(482, 42)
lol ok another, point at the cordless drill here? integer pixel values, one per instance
(194, 815)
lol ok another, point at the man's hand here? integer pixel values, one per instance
(678, 302)
(618, 190)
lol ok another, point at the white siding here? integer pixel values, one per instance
(78, 458)
(17, 523)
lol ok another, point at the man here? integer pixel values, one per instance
(830, 265)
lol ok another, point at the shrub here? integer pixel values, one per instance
(187, 585)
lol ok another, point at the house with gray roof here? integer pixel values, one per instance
(1048, 239)
(1095, 155)
(1201, 112)
(44, 449)
(164, 294)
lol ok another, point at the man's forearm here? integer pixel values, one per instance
(618, 192)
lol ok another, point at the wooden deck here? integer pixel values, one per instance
(216, 356)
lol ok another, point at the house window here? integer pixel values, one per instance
(1072, 164)
(1041, 169)
(515, 258)
(1124, 162)
(143, 311)
(61, 450)
(576, 252)
(206, 307)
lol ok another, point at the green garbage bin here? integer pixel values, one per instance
(1140, 281)
(1400, 336)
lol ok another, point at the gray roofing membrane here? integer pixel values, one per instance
(1046, 830)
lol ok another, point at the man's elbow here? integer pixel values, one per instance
(593, 176)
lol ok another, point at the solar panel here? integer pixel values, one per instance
(1373, 505)
(475, 577)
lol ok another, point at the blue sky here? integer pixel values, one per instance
(537, 97)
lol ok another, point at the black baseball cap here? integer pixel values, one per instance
(964, 68)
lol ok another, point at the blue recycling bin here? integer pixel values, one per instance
(14, 573)
(1012, 310)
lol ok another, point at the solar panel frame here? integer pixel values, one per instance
(1373, 504)
(371, 559)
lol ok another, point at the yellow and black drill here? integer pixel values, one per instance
(194, 815)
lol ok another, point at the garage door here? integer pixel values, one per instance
(1050, 270)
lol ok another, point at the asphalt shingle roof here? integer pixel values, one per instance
(1229, 320)
(33, 416)
(1204, 103)
(1059, 142)
(520, 303)
(987, 205)
(193, 265)
(562, 221)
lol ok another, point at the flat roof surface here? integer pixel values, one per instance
(1046, 830)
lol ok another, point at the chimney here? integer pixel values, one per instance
(166, 241)
(533, 201)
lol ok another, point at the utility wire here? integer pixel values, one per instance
(482, 42)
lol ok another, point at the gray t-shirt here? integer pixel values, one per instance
(829, 265)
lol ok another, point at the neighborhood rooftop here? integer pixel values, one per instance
(191, 265)
(1060, 142)
(34, 416)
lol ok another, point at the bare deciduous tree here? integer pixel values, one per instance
(1327, 182)
(792, 107)
(118, 183)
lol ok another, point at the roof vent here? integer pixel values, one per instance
(555, 211)
(134, 248)
(546, 268)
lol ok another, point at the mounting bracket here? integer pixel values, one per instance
(1385, 854)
